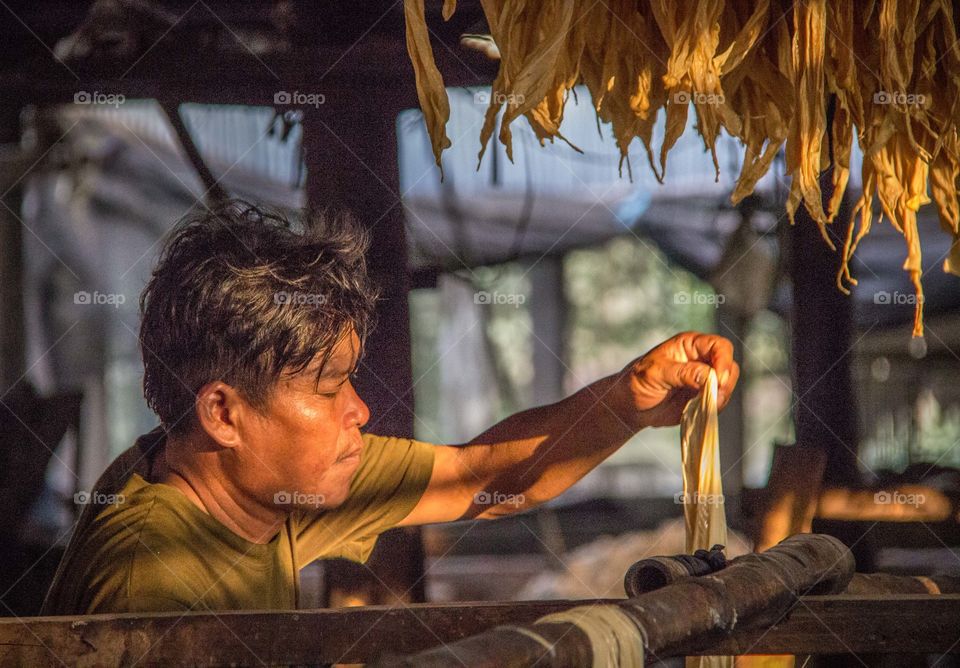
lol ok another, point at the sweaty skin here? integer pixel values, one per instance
(305, 445)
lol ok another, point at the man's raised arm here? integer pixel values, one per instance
(534, 455)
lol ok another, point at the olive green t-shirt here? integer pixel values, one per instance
(154, 550)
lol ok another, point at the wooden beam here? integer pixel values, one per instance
(549, 313)
(899, 503)
(824, 401)
(871, 535)
(14, 163)
(350, 144)
(238, 78)
(904, 503)
(151, 40)
(822, 345)
(842, 624)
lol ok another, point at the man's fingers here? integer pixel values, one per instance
(687, 374)
(716, 351)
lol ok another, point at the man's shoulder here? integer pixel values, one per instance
(119, 518)
(140, 522)
(143, 520)
(123, 556)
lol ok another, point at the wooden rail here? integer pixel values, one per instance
(838, 624)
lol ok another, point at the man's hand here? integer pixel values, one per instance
(659, 384)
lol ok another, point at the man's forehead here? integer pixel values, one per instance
(342, 358)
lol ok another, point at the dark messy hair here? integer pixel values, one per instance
(243, 295)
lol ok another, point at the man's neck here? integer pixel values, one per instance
(242, 516)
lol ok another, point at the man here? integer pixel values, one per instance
(250, 333)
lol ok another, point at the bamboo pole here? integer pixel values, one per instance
(683, 617)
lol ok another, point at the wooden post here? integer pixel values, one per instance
(548, 311)
(825, 412)
(732, 419)
(350, 141)
(12, 324)
(822, 344)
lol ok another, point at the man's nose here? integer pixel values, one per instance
(359, 409)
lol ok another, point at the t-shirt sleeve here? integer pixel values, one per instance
(392, 477)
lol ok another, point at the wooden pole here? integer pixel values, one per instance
(674, 620)
(13, 164)
(350, 142)
(822, 335)
(822, 343)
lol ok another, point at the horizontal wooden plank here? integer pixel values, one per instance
(818, 624)
(845, 624)
(913, 535)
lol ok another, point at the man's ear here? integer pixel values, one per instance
(221, 411)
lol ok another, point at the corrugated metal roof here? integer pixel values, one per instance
(224, 135)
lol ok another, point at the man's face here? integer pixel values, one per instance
(303, 451)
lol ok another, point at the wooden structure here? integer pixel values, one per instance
(355, 56)
(872, 615)
(899, 624)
